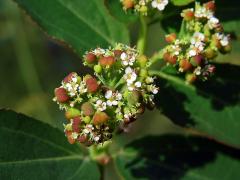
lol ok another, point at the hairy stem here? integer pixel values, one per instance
(141, 43)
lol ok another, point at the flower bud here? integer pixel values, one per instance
(170, 38)
(190, 78)
(169, 58)
(210, 53)
(142, 60)
(90, 58)
(76, 124)
(87, 119)
(187, 14)
(128, 4)
(71, 113)
(100, 118)
(87, 109)
(97, 68)
(143, 73)
(143, 9)
(69, 137)
(107, 61)
(210, 5)
(61, 95)
(185, 65)
(69, 77)
(92, 84)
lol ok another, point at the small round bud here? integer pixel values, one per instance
(76, 124)
(210, 53)
(87, 119)
(69, 77)
(71, 113)
(185, 65)
(142, 60)
(210, 5)
(69, 137)
(107, 61)
(169, 58)
(143, 9)
(143, 73)
(92, 84)
(97, 68)
(196, 60)
(170, 38)
(226, 49)
(61, 95)
(128, 4)
(90, 58)
(82, 138)
(87, 109)
(100, 118)
(187, 14)
(190, 78)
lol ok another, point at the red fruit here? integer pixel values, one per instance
(69, 137)
(117, 52)
(210, 5)
(92, 84)
(90, 58)
(107, 61)
(76, 123)
(100, 118)
(196, 60)
(170, 37)
(69, 77)
(128, 4)
(185, 64)
(82, 138)
(61, 95)
(87, 109)
(169, 58)
(187, 14)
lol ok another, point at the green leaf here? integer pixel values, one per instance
(177, 157)
(212, 107)
(80, 24)
(31, 150)
(181, 2)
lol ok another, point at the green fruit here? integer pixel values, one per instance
(71, 113)
(97, 68)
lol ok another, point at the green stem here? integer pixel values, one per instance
(156, 57)
(141, 44)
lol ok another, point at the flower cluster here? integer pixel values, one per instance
(117, 93)
(143, 6)
(203, 40)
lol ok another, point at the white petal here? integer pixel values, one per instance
(108, 94)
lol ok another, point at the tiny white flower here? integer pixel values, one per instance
(112, 98)
(130, 76)
(97, 138)
(192, 53)
(213, 22)
(100, 105)
(159, 4)
(138, 84)
(149, 80)
(74, 135)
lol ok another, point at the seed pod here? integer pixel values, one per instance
(187, 14)
(210, 53)
(196, 60)
(117, 53)
(185, 65)
(128, 4)
(69, 137)
(107, 61)
(71, 113)
(210, 5)
(69, 77)
(143, 9)
(92, 84)
(61, 95)
(76, 124)
(190, 78)
(170, 37)
(226, 49)
(82, 138)
(142, 60)
(100, 118)
(87, 109)
(169, 58)
(97, 68)
(90, 58)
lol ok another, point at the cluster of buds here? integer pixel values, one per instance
(143, 6)
(119, 91)
(203, 39)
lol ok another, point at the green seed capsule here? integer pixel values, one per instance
(98, 68)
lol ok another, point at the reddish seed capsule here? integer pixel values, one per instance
(190, 78)
(69, 137)
(82, 138)
(69, 77)
(107, 61)
(87, 109)
(90, 58)
(127, 4)
(185, 65)
(187, 15)
(170, 37)
(169, 58)
(61, 95)
(210, 5)
(117, 52)
(100, 118)
(92, 84)
(196, 60)
(76, 123)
